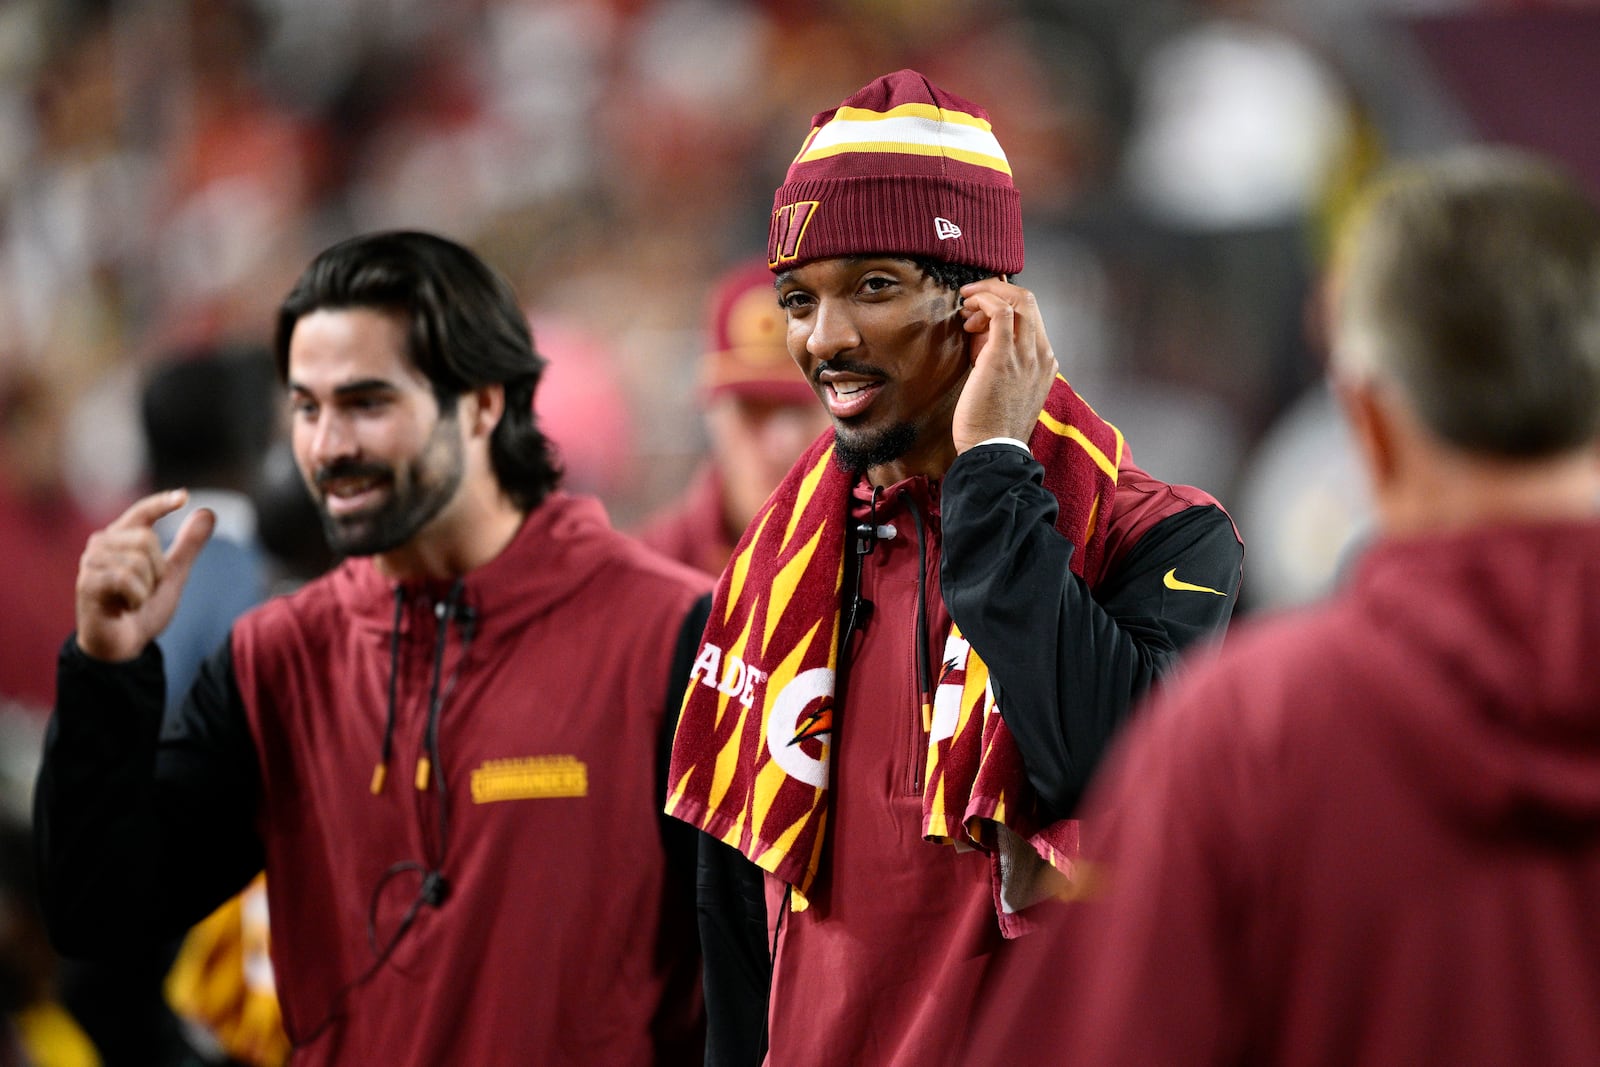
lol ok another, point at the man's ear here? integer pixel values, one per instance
(485, 405)
(1372, 426)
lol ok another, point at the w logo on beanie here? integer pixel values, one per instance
(789, 224)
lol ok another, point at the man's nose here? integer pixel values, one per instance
(833, 330)
(331, 439)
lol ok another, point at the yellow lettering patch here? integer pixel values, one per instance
(530, 778)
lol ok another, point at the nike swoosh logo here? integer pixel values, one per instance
(1172, 581)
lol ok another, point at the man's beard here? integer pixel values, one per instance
(418, 491)
(855, 453)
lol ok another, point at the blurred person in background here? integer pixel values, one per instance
(515, 877)
(759, 416)
(288, 522)
(207, 430)
(1369, 832)
(42, 530)
(959, 592)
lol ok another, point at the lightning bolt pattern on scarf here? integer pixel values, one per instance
(750, 761)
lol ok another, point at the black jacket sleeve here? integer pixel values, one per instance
(731, 892)
(1067, 666)
(142, 826)
(680, 842)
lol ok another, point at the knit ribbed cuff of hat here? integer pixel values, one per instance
(944, 219)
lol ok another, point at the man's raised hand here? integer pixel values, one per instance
(128, 587)
(1012, 364)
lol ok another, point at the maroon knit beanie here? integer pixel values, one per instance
(900, 168)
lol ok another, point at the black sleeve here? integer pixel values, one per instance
(729, 902)
(731, 894)
(679, 840)
(142, 827)
(1067, 666)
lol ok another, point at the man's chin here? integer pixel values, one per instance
(856, 451)
(353, 536)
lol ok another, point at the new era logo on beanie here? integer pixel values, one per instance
(900, 168)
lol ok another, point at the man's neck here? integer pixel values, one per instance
(931, 467)
(1462, 492)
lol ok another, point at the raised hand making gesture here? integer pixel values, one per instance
(128, 586)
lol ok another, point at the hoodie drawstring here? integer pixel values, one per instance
(434, 888)
(380, 773)
(450, 610)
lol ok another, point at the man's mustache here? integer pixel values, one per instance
(844, 366)
(348, 469)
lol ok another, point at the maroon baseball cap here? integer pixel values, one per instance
(899, 168)
(746, 355)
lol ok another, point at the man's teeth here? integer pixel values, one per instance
(849, 388)
(345, 489)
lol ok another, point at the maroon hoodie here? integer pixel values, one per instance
(552, 942)
(899, 958)
(1370, 832)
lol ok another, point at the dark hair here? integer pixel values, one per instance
(951, 275)
(1473, 280)
(207, 417)
(465, 330)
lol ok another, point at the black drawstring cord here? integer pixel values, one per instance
(381, 956)
(772, 961)
(860, 607)
(441, 635)
(450, 610)
(405, 920)
(434, 888)
(380, 773)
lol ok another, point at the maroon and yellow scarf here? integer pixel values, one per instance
(750, 759)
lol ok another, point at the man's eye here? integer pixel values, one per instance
(794, 301)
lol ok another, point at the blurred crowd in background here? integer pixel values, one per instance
(167, 167)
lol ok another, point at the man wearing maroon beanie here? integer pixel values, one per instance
(927, 636)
